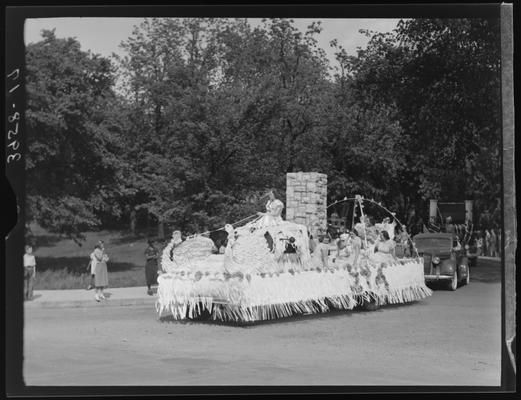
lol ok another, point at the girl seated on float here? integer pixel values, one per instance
(385, 244)
(384, 250)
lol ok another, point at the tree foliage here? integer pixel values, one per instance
(442, 76)
(72, 163)
(211, 112)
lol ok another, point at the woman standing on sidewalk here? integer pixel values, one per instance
(101, 278)
(151, 255)
(499, 243)
(487, 242)
(479, 243)
(493, 243)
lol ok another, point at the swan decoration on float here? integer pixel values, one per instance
(267, 272)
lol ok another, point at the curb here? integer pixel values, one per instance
(91, 303)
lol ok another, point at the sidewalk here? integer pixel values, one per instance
(85, 298)
(489, 258)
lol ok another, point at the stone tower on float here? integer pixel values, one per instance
(306, 200)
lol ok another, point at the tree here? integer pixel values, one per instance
(442, 77)
(365, 136)
(221, 128)
(72, 164)
(167, 74)
(212, 112)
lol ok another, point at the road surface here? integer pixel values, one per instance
(451, 338)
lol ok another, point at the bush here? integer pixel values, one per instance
(63, 279)
(60, 279)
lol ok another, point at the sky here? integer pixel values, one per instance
(104, 35)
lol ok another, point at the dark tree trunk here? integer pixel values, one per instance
(161, 229)
(133, 222)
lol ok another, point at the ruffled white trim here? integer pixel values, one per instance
(241, 298)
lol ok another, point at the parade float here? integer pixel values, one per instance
(268, 272)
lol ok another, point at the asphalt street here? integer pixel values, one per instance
(451, 338)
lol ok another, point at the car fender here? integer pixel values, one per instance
(447, 267)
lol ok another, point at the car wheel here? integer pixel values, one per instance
(466, 280)
(453, 284)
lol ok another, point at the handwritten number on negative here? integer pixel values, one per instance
(15, 72)
(14, 117)
(13, 89)
(12, 133)
(13, 157)
(14, 144)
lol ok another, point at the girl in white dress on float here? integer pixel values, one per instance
(384, 251)
(272, 216)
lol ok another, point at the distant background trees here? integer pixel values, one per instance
(208, 113)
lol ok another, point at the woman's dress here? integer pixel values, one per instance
(272, 216)
(385, 253)
(101, 277)
(151, 266)
(493, 244)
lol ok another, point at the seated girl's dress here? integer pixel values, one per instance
(384, 252)
(272, 217)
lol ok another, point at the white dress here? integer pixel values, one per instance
(272, 217)
(385, 253)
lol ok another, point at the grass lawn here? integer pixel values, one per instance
(61, 263)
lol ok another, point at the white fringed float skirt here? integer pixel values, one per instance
(242, 299)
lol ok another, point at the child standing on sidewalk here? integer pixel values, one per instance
(92, 270)
(29, 272)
